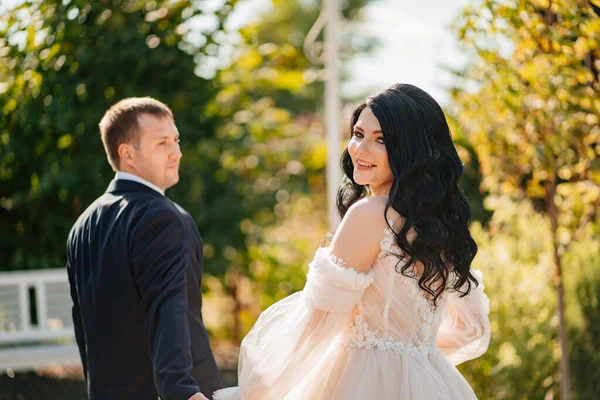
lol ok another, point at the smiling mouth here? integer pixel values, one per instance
(364, 164)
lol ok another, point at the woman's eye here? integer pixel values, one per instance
(381, 140)
(357, 134)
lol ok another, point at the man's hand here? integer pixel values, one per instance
(198, 396)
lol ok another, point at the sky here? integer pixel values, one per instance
(415, 42)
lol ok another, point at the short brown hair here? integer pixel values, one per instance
(120, 123)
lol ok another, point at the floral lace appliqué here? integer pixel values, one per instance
(362, 337)
(429, 313)
(388, 244)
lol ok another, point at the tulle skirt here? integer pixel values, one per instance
(323, 344)
(381, 374)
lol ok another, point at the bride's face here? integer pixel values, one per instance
(369, 155)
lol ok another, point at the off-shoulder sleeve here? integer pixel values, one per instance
(294, 335)
(331, 286)
(464, 332)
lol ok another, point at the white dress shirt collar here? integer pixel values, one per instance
(131, 177)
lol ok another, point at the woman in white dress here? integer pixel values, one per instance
(392, 305)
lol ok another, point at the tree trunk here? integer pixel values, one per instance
(552, 212)
(233, 283)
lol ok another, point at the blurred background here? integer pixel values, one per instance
(518, 80)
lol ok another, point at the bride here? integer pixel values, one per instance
(392, 305)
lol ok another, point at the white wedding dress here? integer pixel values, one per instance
(350, 335)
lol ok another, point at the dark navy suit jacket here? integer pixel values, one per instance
(134, 260)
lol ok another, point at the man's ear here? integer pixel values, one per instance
(126, 153)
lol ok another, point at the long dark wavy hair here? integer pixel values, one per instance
(425, 192)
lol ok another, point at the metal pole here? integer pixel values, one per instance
(332, 107)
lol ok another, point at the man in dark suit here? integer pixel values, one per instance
(134, 260)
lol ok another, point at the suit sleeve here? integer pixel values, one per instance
(77, 322)
(159, 261)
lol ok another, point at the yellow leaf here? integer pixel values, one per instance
(529, 71)
(584, 77)
(289, 80)
(65, 141)
(318, 157)
(581, 46)
(250, 60)
(10, 106)
(288, 50)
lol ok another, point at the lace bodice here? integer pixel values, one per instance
(394, 300)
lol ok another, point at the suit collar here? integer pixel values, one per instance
(124, 185)
(135, 178)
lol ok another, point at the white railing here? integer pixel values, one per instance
(36, 328)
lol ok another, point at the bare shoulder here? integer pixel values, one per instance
(372, 211)
(372, 207)
(358, 238)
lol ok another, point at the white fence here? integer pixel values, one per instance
(36, 329)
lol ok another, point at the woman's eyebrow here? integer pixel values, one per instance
(362, 130)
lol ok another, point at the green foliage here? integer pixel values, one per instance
(62, 65)
(513, 255)
(275, 152)
(470, 180)
(522, 361)
(253, 145)
(527, 103)
(583, 282)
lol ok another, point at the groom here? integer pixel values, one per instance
(134, 260)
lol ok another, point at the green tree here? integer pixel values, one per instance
(62, 64)
(274, 153)
(528, 103)
(515, 248)
(583, 284)
(252, 140)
